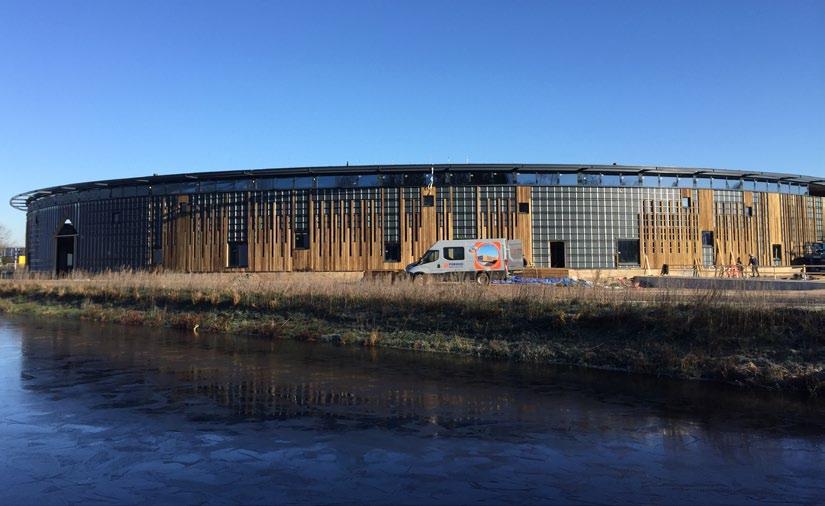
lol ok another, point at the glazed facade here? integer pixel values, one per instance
(382, 218)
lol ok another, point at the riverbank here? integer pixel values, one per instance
(739, 339)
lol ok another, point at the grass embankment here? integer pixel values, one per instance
(739, 339)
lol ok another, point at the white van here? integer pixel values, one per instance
(469, 259)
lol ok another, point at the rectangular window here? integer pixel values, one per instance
(749, 211)
(389, 215)
(627, 251)
(454, 253)
(428, 201)
(464, 212)
(686, 202)
(302, 240)
(116, 217)
(707, 238)
(776, 250)
(236, 210)
(392, 252)
(238, 254)
(523, 207)
(300, 218)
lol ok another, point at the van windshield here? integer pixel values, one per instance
(430, 256)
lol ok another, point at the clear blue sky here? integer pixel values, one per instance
(92, 90)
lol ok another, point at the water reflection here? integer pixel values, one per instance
(293, 421)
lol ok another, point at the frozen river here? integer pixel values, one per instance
(96, 414)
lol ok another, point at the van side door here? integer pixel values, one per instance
(454, 258)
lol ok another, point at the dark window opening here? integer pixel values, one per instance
(776, 250)
(489, 178)
(523, 207)
(157, 256)
(557, 254)
(708, 255)
(628, 251)
(429, 201)
(392, 252)
(749, 211)
(115, 217)
(454, 253)
(816, 190)
(238, 254)
(686, 202)
(301, 240)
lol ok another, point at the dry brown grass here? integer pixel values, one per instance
(265, 287)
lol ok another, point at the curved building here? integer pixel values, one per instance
(359, 218)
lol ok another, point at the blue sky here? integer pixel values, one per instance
(92, 90)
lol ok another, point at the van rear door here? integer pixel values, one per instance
(515, 255)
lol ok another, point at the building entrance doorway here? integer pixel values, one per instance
(64, 263)
(557, 259)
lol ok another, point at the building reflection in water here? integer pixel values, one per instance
(254, 379)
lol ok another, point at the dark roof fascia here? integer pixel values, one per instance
(21, 201)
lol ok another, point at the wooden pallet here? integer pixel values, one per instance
(545, 272)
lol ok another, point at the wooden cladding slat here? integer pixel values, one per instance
(349, 231)
(760, 221)
(669, 233)
(344, 234)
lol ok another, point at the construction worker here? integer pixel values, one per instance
(754, 264)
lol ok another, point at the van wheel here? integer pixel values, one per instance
(482, 278)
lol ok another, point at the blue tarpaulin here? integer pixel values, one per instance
(519, 280)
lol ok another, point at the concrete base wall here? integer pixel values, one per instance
(671, 282)
(704, 272)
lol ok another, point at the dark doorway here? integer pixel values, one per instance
(238, 254)
(392, 252)
(628, 252)
(557, 254)
(65, 261)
